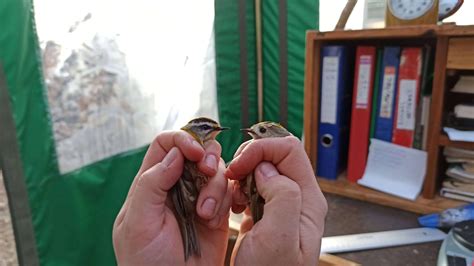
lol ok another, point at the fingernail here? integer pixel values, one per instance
(268, 170)
(195, 143)
(170, 157)
(208, 207)
(211, 161)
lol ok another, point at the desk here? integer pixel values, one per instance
(349, 216)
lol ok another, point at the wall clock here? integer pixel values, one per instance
(411, 12)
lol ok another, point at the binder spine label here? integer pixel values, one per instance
(363, 82)
(406, 104)
(388, 89)
(329, 89)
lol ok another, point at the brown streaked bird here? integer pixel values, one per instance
(247, 185)
(185, 192)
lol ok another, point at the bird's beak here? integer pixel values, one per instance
(222, 128)
(247, 130)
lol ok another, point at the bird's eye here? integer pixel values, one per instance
(205, 127)
(263, 130)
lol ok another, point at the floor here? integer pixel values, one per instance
(347, 216)
(7, 241)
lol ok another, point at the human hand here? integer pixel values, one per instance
(292, 226)
(146, 231)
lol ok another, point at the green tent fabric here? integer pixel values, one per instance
(72, 214)
(284, 25)
(236, 71)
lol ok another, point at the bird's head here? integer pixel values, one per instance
(266, 129)
(203, 129)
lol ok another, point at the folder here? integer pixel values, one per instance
(422, 109)
(361, 109)
(407, 96)
(387, 93)
(375, 92)
(334, 115)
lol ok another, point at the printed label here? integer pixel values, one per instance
(388, 89)
(329, 89)
(406, 104)
(363, 82)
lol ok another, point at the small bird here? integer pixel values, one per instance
(185, 192)
(247, 185)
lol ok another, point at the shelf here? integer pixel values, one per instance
(386, 33)
(423, 31)
(343, 187)
(446, 142)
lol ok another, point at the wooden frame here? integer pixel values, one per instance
(441, 37)
(11, 166)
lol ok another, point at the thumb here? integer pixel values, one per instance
(282, 196)
(148, 201)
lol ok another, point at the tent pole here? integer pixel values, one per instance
(258, 31)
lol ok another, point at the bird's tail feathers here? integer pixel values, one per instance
(191, 241)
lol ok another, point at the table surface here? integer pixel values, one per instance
(349, 216)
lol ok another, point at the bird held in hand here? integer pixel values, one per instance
(247, 185)
(185, 192)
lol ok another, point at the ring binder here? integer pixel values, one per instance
(335, 105)
(326, 140)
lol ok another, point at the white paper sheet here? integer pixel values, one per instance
(394, 169)
(459, 135)
(329, 89)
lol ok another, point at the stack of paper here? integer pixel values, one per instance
(464, 111)
(460, 121)
(459, 135)
(459, 183)
(465, 84)
(394, 169)
(457, 190)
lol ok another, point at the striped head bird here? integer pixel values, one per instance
(185, 192)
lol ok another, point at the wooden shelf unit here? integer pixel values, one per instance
(345, 188)
(452, 44)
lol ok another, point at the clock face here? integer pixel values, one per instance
(409, 9)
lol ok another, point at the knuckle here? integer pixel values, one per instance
(324, 206)
(291, 190)
(216, 146)
(143, 179)
(293, 141)
(162, 136)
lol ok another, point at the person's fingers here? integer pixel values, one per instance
(147, 204)
(160, 146)
(247, 222)
(239, 200)
(289, 157)
(209, 163)
(283, 202)
(213, 194)
(224, 210)
(166, 140)
(241, 148)
(274, 150)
